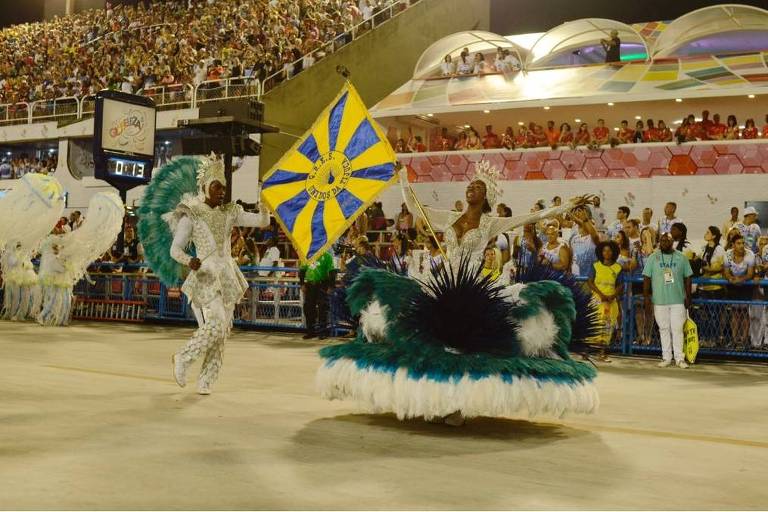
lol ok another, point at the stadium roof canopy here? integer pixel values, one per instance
(715, 51)
(578, 42)
(727, 28)
(474, 40)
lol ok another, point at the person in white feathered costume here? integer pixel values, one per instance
(65, 258)
(27, 215)
(214, 284)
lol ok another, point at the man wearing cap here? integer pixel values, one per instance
(749, 229)
(612, 47)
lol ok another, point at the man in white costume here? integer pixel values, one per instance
(214, 284)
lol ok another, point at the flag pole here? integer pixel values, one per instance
(429, 224)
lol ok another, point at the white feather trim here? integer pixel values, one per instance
(373, 321)
(537, 334)
(381, 392)
(511, 293)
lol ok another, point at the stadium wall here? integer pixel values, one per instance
(704, 179)
(380, 62)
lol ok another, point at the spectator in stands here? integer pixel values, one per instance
(461, 142)
(491, 263)
(600, 132)
(765, 128)
(566, 135)
(731, 128)
(663, 133)
(398, 257)
(435, 255)
(622, 214)
(527, 248)
(249, 254)
(739, 271)
(447, 67)
(465, 66)
(606, 285)
(647, 222)
(458, 206)
(552, 133)
(731, 236)
(639, 135)
(473, 139)
(417, 145)
(446, 141)
(404, 221)
(490, 140)
(649, 134)
(716, 129)
(665, 223)
(271, 257)
(75, 220)
(537, 137)
(582, 243)
(702, 127)
(480, 66)
(712, 261)
(667, 292)
(506, 62)
(750, 131)
(679, 232)
(733, 221)
(554, 253)
(626, 257)
(521, 139)
(582, 136)
(508, 139)
(598, 215)
(612, 47)
(749, 229)
(643, 320)
(625, 133)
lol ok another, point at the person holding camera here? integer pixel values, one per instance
(612, 47)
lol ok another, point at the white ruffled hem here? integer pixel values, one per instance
(384, 392)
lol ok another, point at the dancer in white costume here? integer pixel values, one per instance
(21, 295)
(65, 258)
(452, 344)
(27, 215)
(465, 234)
(215, 284)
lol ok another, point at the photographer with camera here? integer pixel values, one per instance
(612, 47)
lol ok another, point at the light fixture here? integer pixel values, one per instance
(546, 108)
(610, 103)
(8, 153)
(520, 123)
(467, 127)
(679, 121)
(167, 143)
(486, 111)
(430, 115)
(751, 96)
(615, 128)
(638, 117)
(577, 120)
(679, 100)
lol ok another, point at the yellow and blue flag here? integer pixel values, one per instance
(330, 176)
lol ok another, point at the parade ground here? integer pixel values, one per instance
(90, 418)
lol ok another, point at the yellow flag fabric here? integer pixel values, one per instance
(330, 176)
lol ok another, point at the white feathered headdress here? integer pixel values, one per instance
(489, 175)
(211, 169)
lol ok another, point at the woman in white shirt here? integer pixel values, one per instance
(480, 66)
(447, 67)
(464, 67)
(739, 271)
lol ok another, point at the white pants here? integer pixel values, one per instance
(670, 320)
(215, 323)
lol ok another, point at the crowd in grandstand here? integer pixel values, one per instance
(534, 135)
(12, 167)
(133, 48)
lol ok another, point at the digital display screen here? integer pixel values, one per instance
(128, 128)
(121, 167)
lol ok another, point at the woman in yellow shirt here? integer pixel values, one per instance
(604, 281)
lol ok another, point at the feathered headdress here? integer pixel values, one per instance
(211, 169)
(490, 176)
